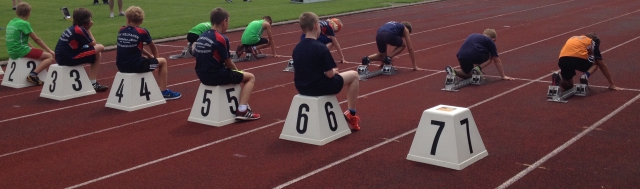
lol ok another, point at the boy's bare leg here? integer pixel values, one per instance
(397, 50)
(351, 82)
(377, 57)
(93, 74)
(46, 59)
(163, 72)
(249, 80)
(567, 84)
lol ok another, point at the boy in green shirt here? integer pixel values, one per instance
(17, 40)
(192, 37)
(252, 40)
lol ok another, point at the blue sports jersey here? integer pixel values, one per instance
(477, 46)
(312, 59)
(212, 49)
(72, 43)
(392, 27)
(326, 29)
(130, 44)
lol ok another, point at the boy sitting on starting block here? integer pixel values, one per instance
(214, 66)
(252, 40)
(129, 57)
(17, 35)
(392, 33)
(328, 37)
(77, 46)
(477, 52)
(316, 73)
(580, 53)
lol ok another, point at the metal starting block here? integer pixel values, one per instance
(289, 67)
(453, 84)
(183, 54)
(247, 58)
(363, 71)
(554, 94)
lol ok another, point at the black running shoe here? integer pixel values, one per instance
(450, 71)
(105, 2)
(35, 80)
(387, 60)
(365, 60)
(100, 88)
(584, 79)
(556, 79)
(95, 2)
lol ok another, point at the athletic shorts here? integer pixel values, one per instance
(323, 39)
(384, 38)
(192, 37)
(34, 54)
(330, 86)
(467, 64)
(568, 66)
(144, 66)
(224, 77)
(261, 42)
(88, 56)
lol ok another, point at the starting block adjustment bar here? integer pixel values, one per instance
(553, 94)
(365, 74)
(452, 83)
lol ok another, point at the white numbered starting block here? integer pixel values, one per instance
(248, 57)
(66, 82)
(453, 83)
(134, 91)
(554, 94)
(289, 67)
(314, 120)
(447, 136)
(364, 73)
(1, 72)
(18, 70)
(215, 105)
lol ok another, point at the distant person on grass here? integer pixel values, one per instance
(396, 34)
(477, 52)
(14, 3)
(581, 53)
(17, 37)
(328, 37)
(252, 40)
(129, 58)
(77, 46)
(111, 4)
(316, 71)
(214, 66)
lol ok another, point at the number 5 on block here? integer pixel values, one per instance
(447, 136)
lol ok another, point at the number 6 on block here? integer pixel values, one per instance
(314, 120)
(447, 136)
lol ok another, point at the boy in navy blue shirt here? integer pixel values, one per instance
(316, 73)
(477, 52)
(392, 33)
(77, 46)
(129, 59)
(214, 66)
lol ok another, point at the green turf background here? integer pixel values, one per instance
(168, 18)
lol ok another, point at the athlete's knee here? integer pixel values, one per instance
(45, 56)
(98, 48)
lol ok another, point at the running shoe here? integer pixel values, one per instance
(35, 80)
(387, 60)
(170, 95)
(476, 71)
(95, 2)
(239, 50)
(352, 120)
(584, 79)
(365, 60)
(14, 8)
(450, 71)
(228, 1)
(556, 79)
(110, 15)
(100, 88)
(121, 13)
(247, 115)
(106, 2)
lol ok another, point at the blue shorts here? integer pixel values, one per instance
(144, 66)
(323, 39)
(384, 38)
(330, 86)
(222, 77)
(84, 56)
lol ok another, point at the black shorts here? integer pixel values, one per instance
(261, 42)
(568, 66)
(224, 77)
(86, 56)
(467, 64)
(330, 86)
(144, 66)
(192, 37)
(383, 38)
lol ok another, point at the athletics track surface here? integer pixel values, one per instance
(590, 142)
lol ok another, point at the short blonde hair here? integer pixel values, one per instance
(308, 20)
(490, 33)
(23, 9)
(134, 14)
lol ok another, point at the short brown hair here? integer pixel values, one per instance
(490, 33)
(268, 19)
(594, 37)
(134, 14)
(81, 16)
(407, 25)
(218, 15)
(308, 20)
(23, 9)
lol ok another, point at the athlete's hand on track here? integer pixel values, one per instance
(615, 88)
(508, 78)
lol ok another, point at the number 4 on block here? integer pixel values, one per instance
(447, 136)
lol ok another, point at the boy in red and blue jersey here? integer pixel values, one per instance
(328, 28)
(397, 35)
(77, 46)
(214, 66)
(129, 59)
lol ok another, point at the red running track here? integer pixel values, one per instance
(586, 143)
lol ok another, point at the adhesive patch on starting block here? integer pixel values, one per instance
(289, 67)
(134, 91)
(18, 70)
(447, 136)
(215, 105)
(66, 82)
(314, 120)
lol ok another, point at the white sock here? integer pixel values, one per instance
(242, 108)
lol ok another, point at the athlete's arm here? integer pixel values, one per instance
(407, 37)
(230, 64)
(88, 27)
(334, 40)
(267, 27)
(607, 74)
(500, 69)
(40, 43)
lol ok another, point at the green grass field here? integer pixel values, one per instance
(168, 18)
